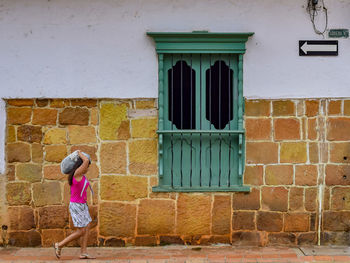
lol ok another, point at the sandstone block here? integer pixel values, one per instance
(59, 103)
(334, 107)
(123, 132)
(293, 152)
(253, 175)
(275, 198)
(51, 217)
(84, 102)
(91, 150)
(214, 239)
(74, 116)
(287, 129)
(341, 198)
(18, 115)
(336, 221)
(156, 217)
(313, 152)
(42, 102)
(144, 128)
(53, 172)
(21, 217)
(145, 241)
(113, 158)
(269, 221)
(311, 108)
(18, 152)
(258, 129)
(242, 220)
(241, 238)
(193, 214)
(82, 134)
(11, 173)
(117, 219)
(145, 104)
(310, 199)
(20, 102)
(281, 239)
(257, 108)
(11, 134)
(306, 175)
(296, 199)
(29, 133)
(51, 236)
(55, 136)
(114, 242)
(338, 129)
(283, 108)
(337, 174)
(44, 116)
(221, 218)
(340, 152)
(123, 188)
(55, 153)
(246, 201)
(143, 157)
(326, 198)
(111, 116)
(296, 222)
(30, 238)
(94, 116)
(279, 174)
(29, 172)
(312, 129)
(18, 193)
(93, 172)
(307, 239)
(37, 153)
(256, 152)
(169, 240)
(47, 193)
(347, 107)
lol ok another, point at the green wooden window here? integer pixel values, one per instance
(200, 128)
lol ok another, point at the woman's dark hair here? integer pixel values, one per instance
(71, 174)
(70, 178)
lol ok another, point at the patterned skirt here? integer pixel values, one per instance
(80, 214)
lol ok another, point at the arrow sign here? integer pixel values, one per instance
(318, 47)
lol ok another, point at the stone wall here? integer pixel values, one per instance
(294, 147)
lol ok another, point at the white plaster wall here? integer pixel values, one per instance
(98, 48)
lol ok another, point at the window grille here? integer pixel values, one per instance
(201, 135)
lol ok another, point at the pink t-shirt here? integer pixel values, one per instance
(78, 190)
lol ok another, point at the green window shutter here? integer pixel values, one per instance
(201, 135)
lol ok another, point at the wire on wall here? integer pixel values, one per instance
(314, 8)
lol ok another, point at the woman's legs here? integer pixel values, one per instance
(84, 239)
(76, 234)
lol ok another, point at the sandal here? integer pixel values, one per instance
(57, 250)
(86, 256)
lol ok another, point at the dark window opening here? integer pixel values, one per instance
(219, 94)
(181, 89)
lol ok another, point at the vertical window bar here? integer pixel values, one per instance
(191, 126)
(220, 138)
(200, 120)
(229, 118)
(181, 86)
(210, 172)
(172, 117)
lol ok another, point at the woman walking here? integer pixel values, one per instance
(78, 209)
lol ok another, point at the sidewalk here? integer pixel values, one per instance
(175, 254)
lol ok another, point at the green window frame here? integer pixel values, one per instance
(201, 144)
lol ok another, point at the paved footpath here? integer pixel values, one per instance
(174, 254)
